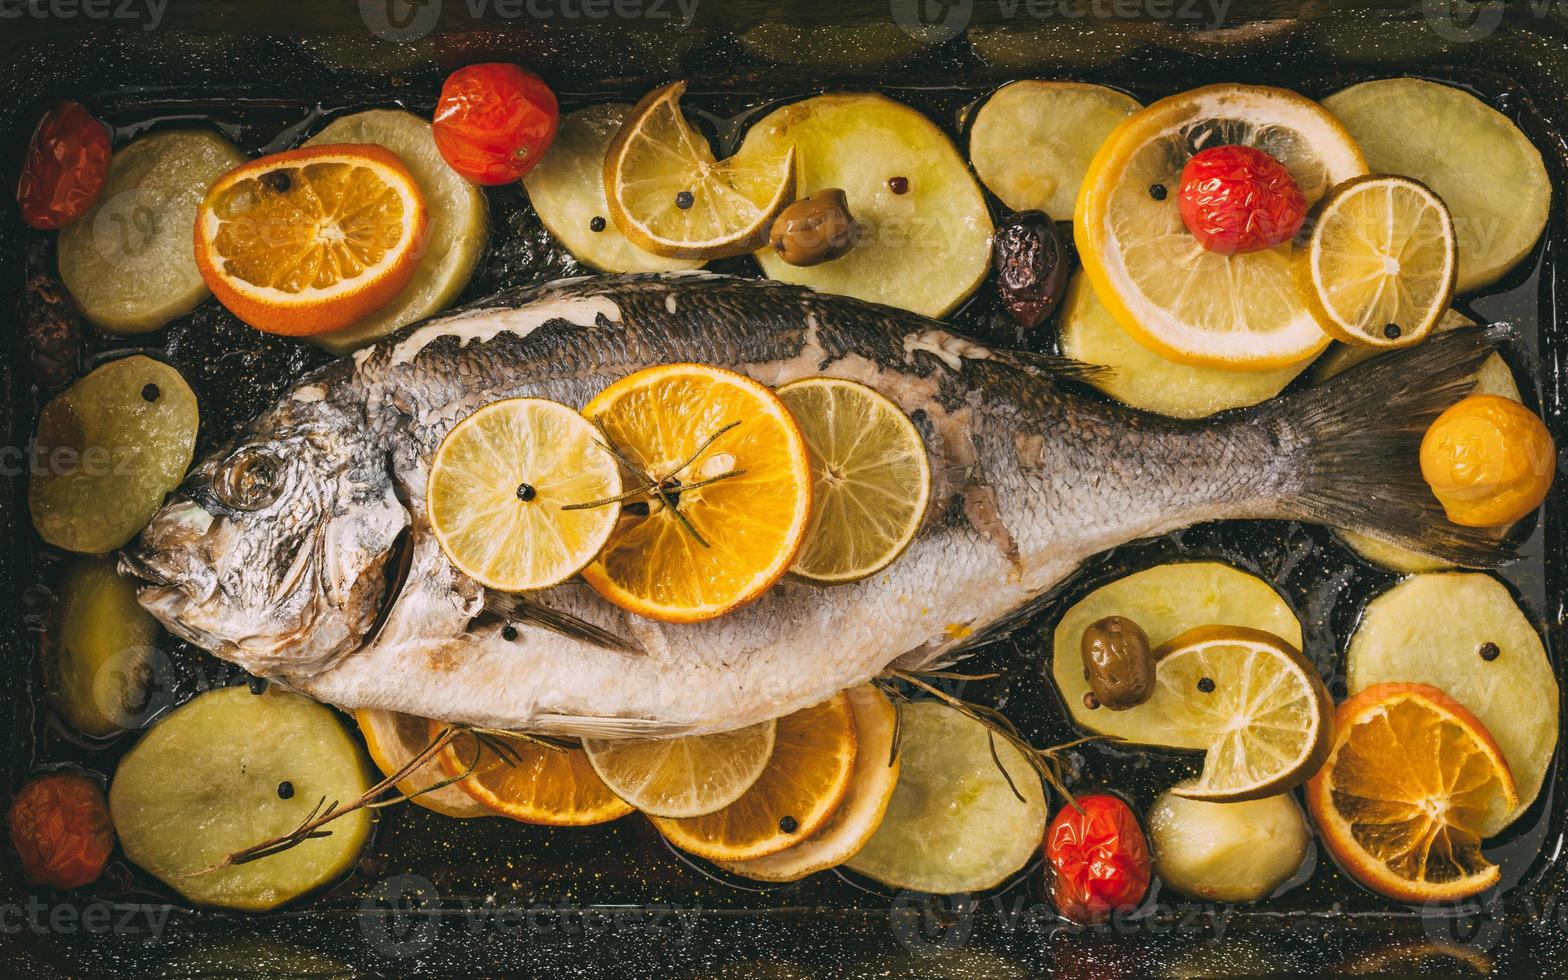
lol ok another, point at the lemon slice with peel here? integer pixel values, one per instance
(669, 196)
(1191, 305)
(530, 781)
(684, 777)
(1256, 703)
(1378, 267)
(870, 480)
(499, 488)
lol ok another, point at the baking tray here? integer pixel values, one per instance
(445, 898)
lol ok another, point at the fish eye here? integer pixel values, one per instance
(250, 480)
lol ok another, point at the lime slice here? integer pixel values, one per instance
(1483, 167)
(684, 777)
(1435, 629)
(870, 479)
(458, 225)
(566, 188)
(205, 782)
(1032, 141)
(128, 261)
(954, 823)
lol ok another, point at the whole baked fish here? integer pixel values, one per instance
(281, 552)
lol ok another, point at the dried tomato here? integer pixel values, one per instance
(65, 169)
(1237, 199)
(494, 122)
(60, 828)
(1100, 857)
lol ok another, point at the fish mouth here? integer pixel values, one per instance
(145, 568)
(400, 560)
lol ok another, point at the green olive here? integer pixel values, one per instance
(1118, 662)
(815, 229)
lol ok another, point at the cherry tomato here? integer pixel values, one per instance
(494, 122)
(1236, 199)
(67, 163)
(60, 828)
(1100, 857)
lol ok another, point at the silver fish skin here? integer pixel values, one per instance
(277, 552)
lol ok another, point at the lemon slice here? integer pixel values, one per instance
(566, 188)
(499, 486)
(1483, 167)
(1137, 376)
(1032, 141)
(1241, 312)
(870, 480)
(684, 777)
(394, 739)
(531, 782)
(1255, 701)
(1378, 266)
(954, 823)
(859, 816)
(669, 196)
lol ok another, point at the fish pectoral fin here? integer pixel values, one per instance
(502, 607)
(591, 726)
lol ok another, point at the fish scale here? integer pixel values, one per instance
(1030, 480)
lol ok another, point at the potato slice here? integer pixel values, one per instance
(96, 652)
(458, 223)
(1483, 167)
(566, 189)
(1434, 629)
(1227, 852)
(1032, 141)
(209, 779)
(923, 250)
(953, 824)
(1137, 376)
(1167, 601)
(128, 261)
(1494, 378)
(108, 449)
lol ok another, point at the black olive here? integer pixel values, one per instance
(597, 224)
(684, 200)
(1031, 263)
(815, 229)
(1121, 666)
(1489, 651)
(898, 185)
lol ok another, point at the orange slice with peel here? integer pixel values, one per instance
(533, 782)
(394, 739)
(726, 492)
(1412, 778)
(800, 790)
(313, 239)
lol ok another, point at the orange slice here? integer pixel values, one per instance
(1411, 780)
(394, 739)
(683, 555)
(313, 239)
(537, 784)
(800, 790)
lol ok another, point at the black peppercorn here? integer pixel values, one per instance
(788, 824)
(1392, 331)
(509, 632)
(1206, 685)
(683, 200)
(1157, 191)
(1090, 701)
(1489, 651)
(258, 685)
(285, 790)
(898, 185)
(150, 392)
(526, 492)
(597, 224)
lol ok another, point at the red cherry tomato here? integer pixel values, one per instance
(67, 163)
(494, 122)
(1100, 857)
(1237, 199)
(60, 828)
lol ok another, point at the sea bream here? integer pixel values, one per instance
(282, 551)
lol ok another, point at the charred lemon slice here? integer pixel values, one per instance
(684, 777)
(725, 485)
(502, 488)
(870, 480)
(669, 195)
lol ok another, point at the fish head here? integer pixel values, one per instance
(273, 553)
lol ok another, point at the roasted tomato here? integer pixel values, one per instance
(1100, 858)
(60, 828)
(65, 169)
(1236, 199)
(494, 122)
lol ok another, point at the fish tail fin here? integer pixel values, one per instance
(1355, 444)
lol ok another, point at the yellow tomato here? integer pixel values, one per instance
(1489, 460)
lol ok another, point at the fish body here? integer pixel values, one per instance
(294, 581)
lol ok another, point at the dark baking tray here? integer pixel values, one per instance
(435, 897)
